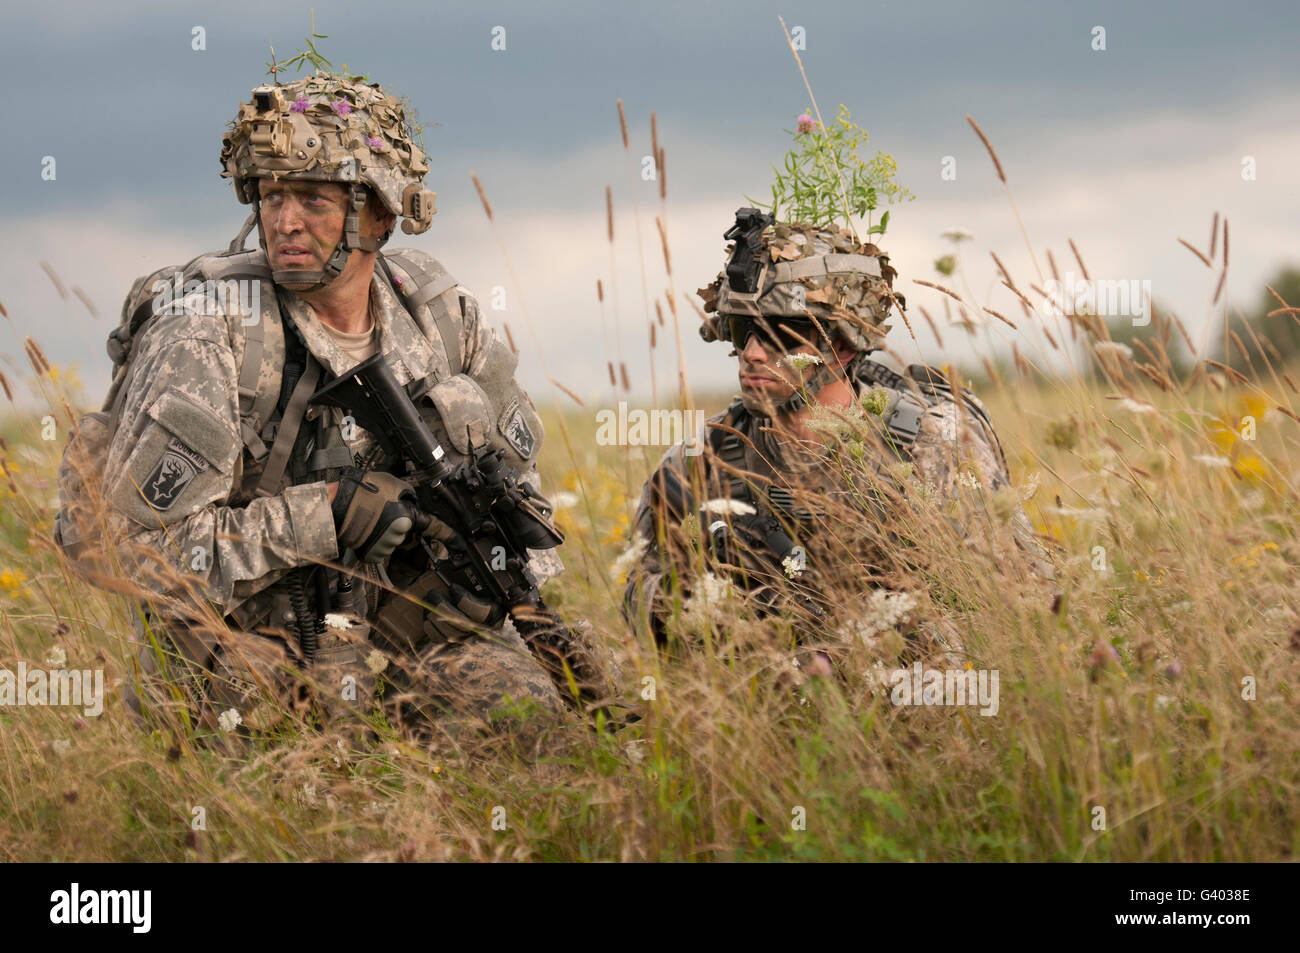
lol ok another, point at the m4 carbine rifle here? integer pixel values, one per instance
(493, 519)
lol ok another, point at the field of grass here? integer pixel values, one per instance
(1154, 679)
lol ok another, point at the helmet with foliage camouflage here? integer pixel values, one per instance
(792, 270)
(329, 128)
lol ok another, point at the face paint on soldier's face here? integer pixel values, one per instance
(303, 222)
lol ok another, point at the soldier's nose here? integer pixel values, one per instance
(753, 351)
(289, 219)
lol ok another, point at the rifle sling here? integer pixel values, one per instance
(287, 434)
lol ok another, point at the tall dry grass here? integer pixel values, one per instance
(1152, 678)
(1120, 687)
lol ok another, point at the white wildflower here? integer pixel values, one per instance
(31, 455)
(1252, 499)
(967, 479)
(376, 662)
(61, 747)
(712, 588)
(793, 567)
(629, 558)
(1209, 460)
(879, 677)
(1027, 489)
(719, 505)
(886, 608)
(1115, 348)
(1134, 406)
(707, 593)
(1163, 702)
(57, 657)
(564, 499)
(230, 719)
(336, 620)
(799, 361)
(958, 235)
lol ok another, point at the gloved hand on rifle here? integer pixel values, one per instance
(374, 513)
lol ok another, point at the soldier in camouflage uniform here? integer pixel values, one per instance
(809, 482)
(277, 549)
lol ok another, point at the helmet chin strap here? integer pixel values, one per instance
(350, 242)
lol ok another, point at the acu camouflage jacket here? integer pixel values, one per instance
(930, 444)
(190, 445)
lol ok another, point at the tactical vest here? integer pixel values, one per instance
(911, 396)
(269, 417)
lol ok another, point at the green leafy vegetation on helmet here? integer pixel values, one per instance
(804, 258)
(825, 182)
(806, 272)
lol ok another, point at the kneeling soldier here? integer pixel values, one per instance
(815, 485)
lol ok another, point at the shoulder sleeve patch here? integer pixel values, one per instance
(516, 430)
(177, 467)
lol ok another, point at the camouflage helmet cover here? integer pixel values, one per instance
(805, 272)
(331, 129)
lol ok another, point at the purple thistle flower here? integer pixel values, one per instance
(299, 105)
(804, 123)
(341, 106)
(397, 280)
(376, 144)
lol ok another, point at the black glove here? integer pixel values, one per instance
(374, 513)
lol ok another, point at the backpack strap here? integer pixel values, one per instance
(731, 449)
(903, 424)
(423, 285)
(260, 338)
(299, 376)
(924, 383)
(428, 286)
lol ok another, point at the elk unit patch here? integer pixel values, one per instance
(514, 427)
(178, 466)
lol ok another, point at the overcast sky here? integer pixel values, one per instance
(1124, 150)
